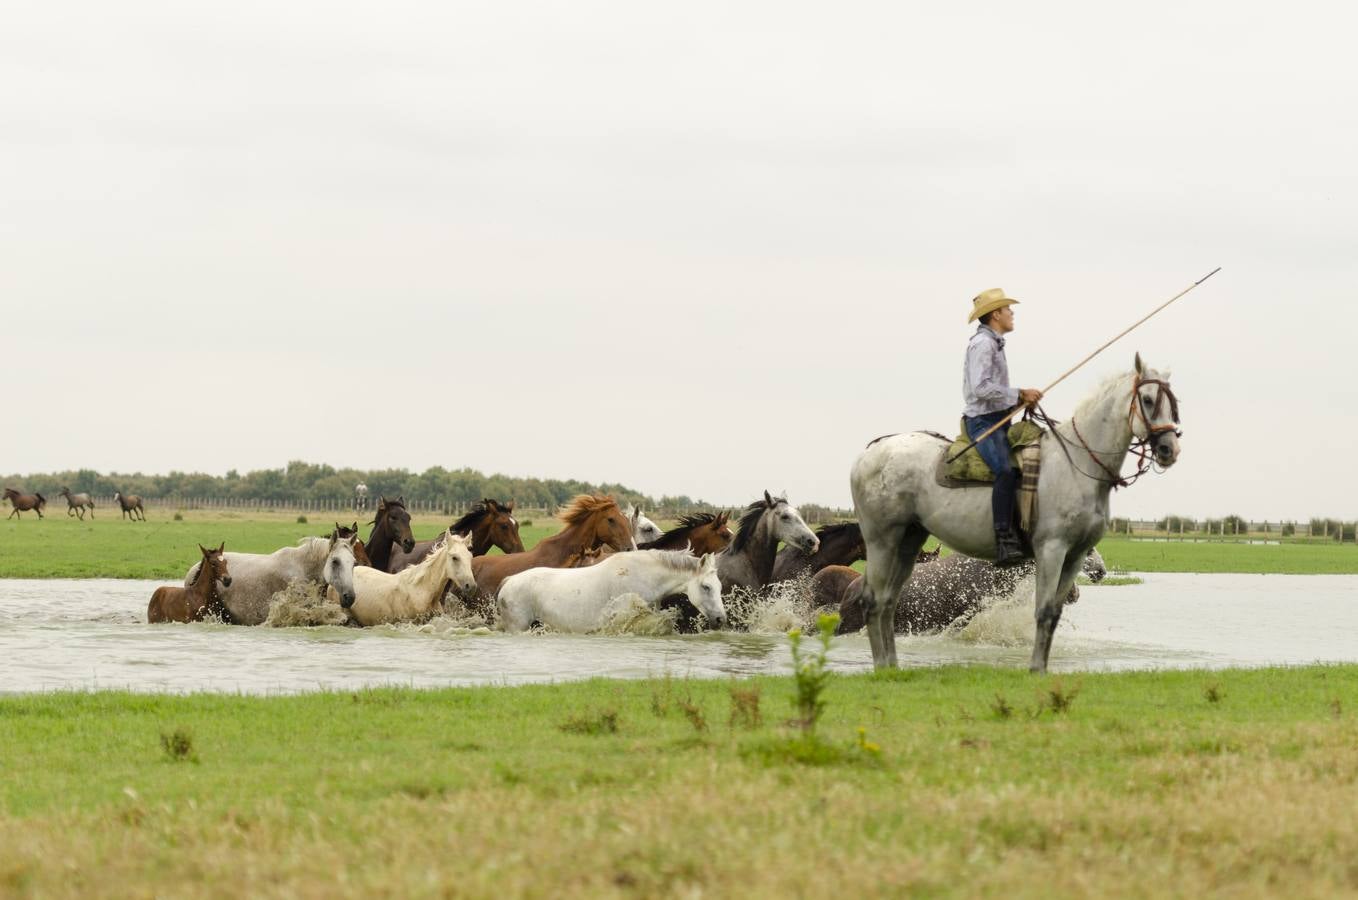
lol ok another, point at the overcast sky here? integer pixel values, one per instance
(705, 248)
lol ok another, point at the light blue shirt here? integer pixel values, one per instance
(985, 378)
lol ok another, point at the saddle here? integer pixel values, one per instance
(971, 471)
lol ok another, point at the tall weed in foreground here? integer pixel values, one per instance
(810, 674)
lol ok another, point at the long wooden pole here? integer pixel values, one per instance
(1066, 374)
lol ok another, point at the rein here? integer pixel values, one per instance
(1140, 446)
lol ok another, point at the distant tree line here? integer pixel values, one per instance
(303, 481)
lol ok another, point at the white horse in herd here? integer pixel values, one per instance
(643, 529)
(578, 600)
(256, 577)
(416, 593)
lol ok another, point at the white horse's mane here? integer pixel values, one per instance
(1108, 386)
(674, 559)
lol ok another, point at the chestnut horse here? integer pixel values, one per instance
(489, 524)
(704, 533)
(131, 505)
(391, 525)
(590, 520)
(22, 503)
(77, 503)
(197, 601)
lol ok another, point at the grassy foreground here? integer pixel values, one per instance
(964, 782)
(61, 547)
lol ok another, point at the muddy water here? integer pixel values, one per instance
(59, 634)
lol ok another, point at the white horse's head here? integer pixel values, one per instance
(788, 526)
(643, 529)
(1154, 413)
(456, 551)
(704, 591)
(338, 569)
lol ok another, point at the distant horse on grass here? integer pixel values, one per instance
(76, 504)
(391, 526)
(261, 575)
(488, 523)
(414, 594)
(590, 520)
(131, 505)
(199, 599)
(900, 502)
(841, 544)
(578, 600)
(23, 503)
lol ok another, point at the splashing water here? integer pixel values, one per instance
(775, 609)
(304, 604)
(1003, 620)
(629, 614)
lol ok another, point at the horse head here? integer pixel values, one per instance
(1154, 413)
(502, 529)
(704, 591)
(338, 569)
(214, 565)
(788, 525)
(643, 529)
(457, 563)
(597, 520)
(393, 517)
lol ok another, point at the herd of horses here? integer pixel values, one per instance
(572, 580)
(76, 504)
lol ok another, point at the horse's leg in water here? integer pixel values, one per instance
(1055, 577)
(891, 557)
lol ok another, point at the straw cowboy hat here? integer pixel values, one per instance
(988, 302)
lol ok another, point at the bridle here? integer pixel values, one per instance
(1142, 446)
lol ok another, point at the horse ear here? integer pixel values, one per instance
(509, 507)
(768, 501)
(1140, 367)
(355, 529)
(203, 549)
(709, 561)
(222, 548)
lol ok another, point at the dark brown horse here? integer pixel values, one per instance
(703, 533)
(22, 503)
(391, 526)
(197, 601)
(489, 524)
(590, 520)
(131, 505)
(841, 544)
(344, 532)
(76, 504)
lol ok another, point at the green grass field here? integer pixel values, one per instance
(1149, 784)
(61, 547)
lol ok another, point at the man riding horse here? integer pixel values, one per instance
(988, 399)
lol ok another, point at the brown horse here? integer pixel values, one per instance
(489, 524)
(22, 503)
(841, 544)
(703, 533)
(77, 503)
(197, 601)
(391, 525)
(344, 532)
(131, 505)
(590, 520)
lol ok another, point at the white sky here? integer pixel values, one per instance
(703, 248)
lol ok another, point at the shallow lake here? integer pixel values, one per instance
(66, 634)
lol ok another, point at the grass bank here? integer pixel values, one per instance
(62, 547)
(964, 781)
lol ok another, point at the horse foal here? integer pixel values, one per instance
(197, 601)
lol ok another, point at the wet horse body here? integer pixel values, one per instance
(258, 576)
(416, 593)
(76, 504)
(199, 598)
(899, 502)
(23, 503)
(488, 523)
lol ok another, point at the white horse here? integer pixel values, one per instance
(643, 529)
(256, 577)
(900, 502)
(748, 562)
(416, 593)
(577, 600)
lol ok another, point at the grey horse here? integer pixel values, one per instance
(900, 503)
(256, 577)
(76, 504)
(748, 562)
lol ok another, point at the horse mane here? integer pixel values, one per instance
(837, 528)
(1106, 387)
(676, 559)
(696, 520)
(474, 515)
(582, 506)
(750, 520)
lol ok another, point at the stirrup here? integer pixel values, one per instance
(1008, 551)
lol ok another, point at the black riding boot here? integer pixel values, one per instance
(1008, 551)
